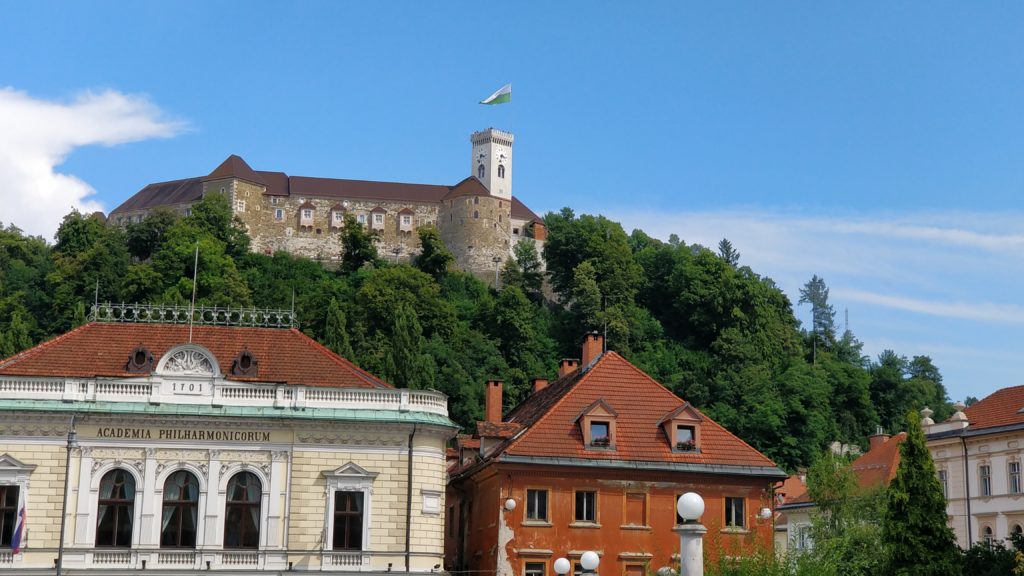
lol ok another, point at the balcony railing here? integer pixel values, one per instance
(221, 393)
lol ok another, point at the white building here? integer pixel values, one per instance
(214, 448)
(977, 454)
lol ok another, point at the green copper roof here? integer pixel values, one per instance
(342, 414)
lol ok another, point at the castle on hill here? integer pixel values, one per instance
(478, 218)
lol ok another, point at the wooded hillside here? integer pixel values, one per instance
(697, 320)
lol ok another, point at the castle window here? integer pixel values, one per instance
(515, 230)
(406, 220)
(501, 170)
(476, 199)
(188, 212)
(476, 213)
(278, 214)
(339, 217)
(274, 200)
(378, 218)
(115, 510)
(480, 171)
(307, 214)
(361, 218)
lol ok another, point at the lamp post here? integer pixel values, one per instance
(496, 260)
(589, 561)
(562, 566)
(691, 534)
(72, 444)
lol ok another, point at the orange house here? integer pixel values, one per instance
(595, 461)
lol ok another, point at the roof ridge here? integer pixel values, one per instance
(341, 361)
(370, 181)
(33, 350)
(579, 380)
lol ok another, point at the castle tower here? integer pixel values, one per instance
(492, 161)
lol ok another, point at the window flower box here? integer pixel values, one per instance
(687, 446)
(602, 442)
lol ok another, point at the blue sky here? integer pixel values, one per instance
(879, 145)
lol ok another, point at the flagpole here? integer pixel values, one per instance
(195, 280)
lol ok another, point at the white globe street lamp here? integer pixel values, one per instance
(589, 561)
(691, 534)
(562, 566)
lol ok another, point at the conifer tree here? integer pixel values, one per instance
(914, 529)
(336, 332)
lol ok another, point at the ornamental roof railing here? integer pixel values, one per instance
(197, 316)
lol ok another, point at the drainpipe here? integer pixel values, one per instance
(408, 502)
(967, 493)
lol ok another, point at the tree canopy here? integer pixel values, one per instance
(715, 332)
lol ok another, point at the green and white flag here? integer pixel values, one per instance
(501, 96)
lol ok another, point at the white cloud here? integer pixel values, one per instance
(37, 135)
(979, 311)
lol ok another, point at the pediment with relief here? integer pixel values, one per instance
(189, 360)
(352, 471)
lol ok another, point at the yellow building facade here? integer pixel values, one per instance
(249, 450)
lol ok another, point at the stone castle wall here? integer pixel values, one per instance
(477, 229)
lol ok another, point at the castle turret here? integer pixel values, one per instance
(492, 161)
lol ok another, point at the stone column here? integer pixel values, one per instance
(691, 548)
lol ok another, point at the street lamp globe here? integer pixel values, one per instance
(690, 506)
(510, 504)
(562, 566)
(589, 561)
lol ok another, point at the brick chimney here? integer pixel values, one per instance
(492, 407)
(539, 384)
(593, 346)
(877, 439)
(567, 365)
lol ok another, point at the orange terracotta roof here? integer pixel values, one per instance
(497, 430)
(285, 356)
(639, 401)
(792, 488)
(878, 466)
(1001, 408)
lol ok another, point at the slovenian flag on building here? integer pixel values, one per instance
(19, 530)
(501, 96)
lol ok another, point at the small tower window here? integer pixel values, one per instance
(501, 170)
(480, 171)
(476, 213)
(476, 199)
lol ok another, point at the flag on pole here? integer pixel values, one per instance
(500, 96)
(19, 529)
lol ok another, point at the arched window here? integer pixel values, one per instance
(1017, 529)
(242, 514)
(180, 515)
(987, 535)
(116, 509)
(476, 213)
(501, 170)
(480, 171)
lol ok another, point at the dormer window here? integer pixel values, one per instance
(597, 425)
(682, 428)
(140, 361)
(245, 364)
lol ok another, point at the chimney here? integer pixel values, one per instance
(492, 408)
(593, 346)
(539, 384)
(567, 365)
(877, 439)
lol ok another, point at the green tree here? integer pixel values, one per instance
(434, 257)
(728, 253)
(79, 318)
(815, 293)
(215, 216)
(407, 365)
(525, 270)
(336, 334)
(914, 529)
(358, 245)
(146, 237)
(846, 523)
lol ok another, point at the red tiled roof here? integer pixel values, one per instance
(366, 189)
(234, 167)
(640, 403)
(792, 488)
(1001, 408)
(876, 467)
(285, 356)
(497, 430)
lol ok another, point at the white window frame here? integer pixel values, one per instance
(743, 513)
(361, 218)
(278, 214)
(338, 217)
(378, 218)
(14, 472)
(158, 502)
(94, 501)
(1013, 473)
(222, 502)
(350, 477)
(406, 220)
(985, 480)
(307, 213)
(944, 481)
(240, 206)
